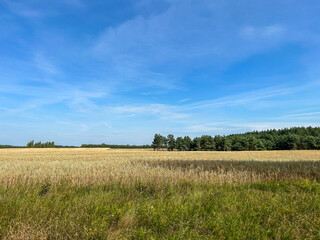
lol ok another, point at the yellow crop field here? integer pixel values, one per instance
(81, 166)
(87, 193)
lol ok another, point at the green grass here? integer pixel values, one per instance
(287, 210)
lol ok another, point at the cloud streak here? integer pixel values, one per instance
(201, 66)
(303, 114)
(160, 110)
(183, 111)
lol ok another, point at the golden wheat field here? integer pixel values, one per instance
(81, 166)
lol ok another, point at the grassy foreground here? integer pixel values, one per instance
(128, 194)
(183, 211)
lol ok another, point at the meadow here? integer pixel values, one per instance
(103, 193)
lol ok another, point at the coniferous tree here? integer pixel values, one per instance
(207, 143)
(260, 146)
(157, 142)
(171, 142)
(180, 145)
(310, 142)
(225, 144)
(164, 142)
(252, 143)
(296, 138)
(30, 144)
(187, 143)
(195, 146)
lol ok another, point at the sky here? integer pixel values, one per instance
(117, 72)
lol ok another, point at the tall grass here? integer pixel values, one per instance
(142, 194)
(165, 211)
(101, 166)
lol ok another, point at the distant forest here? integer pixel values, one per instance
(33, 144)
(296, 138)
(103, 145)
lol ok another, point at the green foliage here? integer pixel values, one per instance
(157, 141)
(32, 144)
(114, 146)
(260, 145)
(269, 210)
(187, 143)
(284, 139)
(196, 144)
(310, 142)
(180, 145)
(207, 143)
(222, 143)
(241, 143)
(10, 146)
(171, 142)
(164, 142)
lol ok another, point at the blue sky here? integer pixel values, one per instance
(75, 71)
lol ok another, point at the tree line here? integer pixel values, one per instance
(296, 138)
(115, 146)
(10, 146)
(33, 144)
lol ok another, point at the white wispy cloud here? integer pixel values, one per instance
(23, 9)
(303, 114)
(243, 98)
(254, 33)
(181, 33)
(37, 97)
(81, 100)
(35, 9)
(184, 100)
(44, 64)
(161, 110)
(81, 127)
(185, 111)
(116, 71)
(204, 128)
